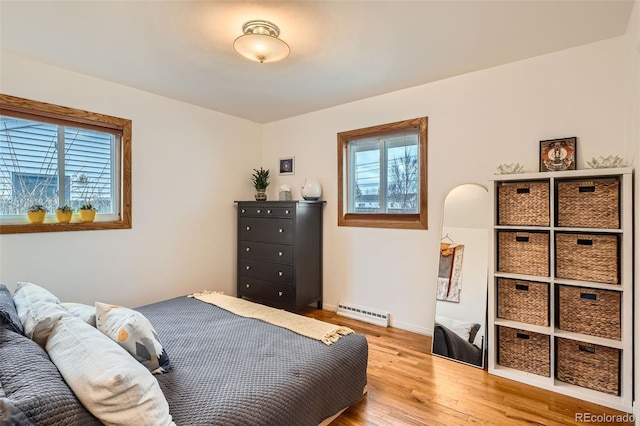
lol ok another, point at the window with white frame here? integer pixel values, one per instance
(55, 156)
(382, 175)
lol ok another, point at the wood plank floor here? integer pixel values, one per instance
(409, 386)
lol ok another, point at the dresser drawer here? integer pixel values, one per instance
(273, 272)
(278, 253)
(266, 211)
(264, 290)
(267, 230)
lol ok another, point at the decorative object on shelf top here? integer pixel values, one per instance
(260, 180)
(87, 212)
(509, 169)
(36, 213)
(64, 213)
(311, 189)
(558, 154)
(285, 193)
(606, 162)
(260, 42)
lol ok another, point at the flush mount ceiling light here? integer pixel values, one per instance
(260, 42)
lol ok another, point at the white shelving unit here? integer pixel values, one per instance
(624, 400)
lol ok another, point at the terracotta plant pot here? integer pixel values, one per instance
(87, 215)
(64, 216)
(36, 217)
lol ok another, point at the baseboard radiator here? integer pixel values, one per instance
(372, 316)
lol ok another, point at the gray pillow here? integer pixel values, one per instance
(8, 315)
(473, 332)
(33, 387)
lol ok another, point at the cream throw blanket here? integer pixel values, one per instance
(309, 327)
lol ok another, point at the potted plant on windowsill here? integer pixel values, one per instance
(35, 213)
(87, 212)
(64, 213)
(260, 180)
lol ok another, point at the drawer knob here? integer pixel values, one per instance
(248, 228)
(279, 293)
(281, 230)
(279, 253)
(280, 273)
(247, 267)
(258, 211)
(286, 212)
(268, 211)
(243, 211)
(248, 285)
(248, 249)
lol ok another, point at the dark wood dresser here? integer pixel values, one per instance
(280, 252)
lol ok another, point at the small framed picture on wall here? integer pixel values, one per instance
(286, 166)
(558, 154)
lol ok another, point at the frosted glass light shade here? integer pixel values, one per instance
(260, 42)
(311, 190)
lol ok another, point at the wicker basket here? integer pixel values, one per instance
(523, 253)
(589, 204)
(524, 350)
(523, 203)
(523, 301)
(589, 311)
(588, 365)
(587, 257)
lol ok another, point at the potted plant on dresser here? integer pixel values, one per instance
(36, 213)
(64, 213)
(87, 212)
(260, 180)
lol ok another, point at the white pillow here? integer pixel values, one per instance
(86, 313)
(461, 328)
(112, 385)
(38, 310)
(134, 332)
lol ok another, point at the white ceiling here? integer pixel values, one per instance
(341, 50)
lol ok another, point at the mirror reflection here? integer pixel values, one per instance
(461, 296)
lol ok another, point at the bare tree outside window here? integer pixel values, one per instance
(403, 181)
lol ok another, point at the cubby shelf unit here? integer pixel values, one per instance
(623, 400)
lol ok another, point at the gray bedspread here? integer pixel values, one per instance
(230, 370)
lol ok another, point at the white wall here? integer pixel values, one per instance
(632, 41)
(476, 122)
(189, 165)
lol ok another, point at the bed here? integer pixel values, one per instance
(449, 344)
(225, 370)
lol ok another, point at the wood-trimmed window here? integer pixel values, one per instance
(55, 155)
(382, 176)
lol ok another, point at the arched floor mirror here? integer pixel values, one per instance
(461, 296)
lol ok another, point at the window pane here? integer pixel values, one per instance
(402, 175)
(28, 165)
(365, 186)
(88, 162)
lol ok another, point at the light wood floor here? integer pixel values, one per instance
(409, 386)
